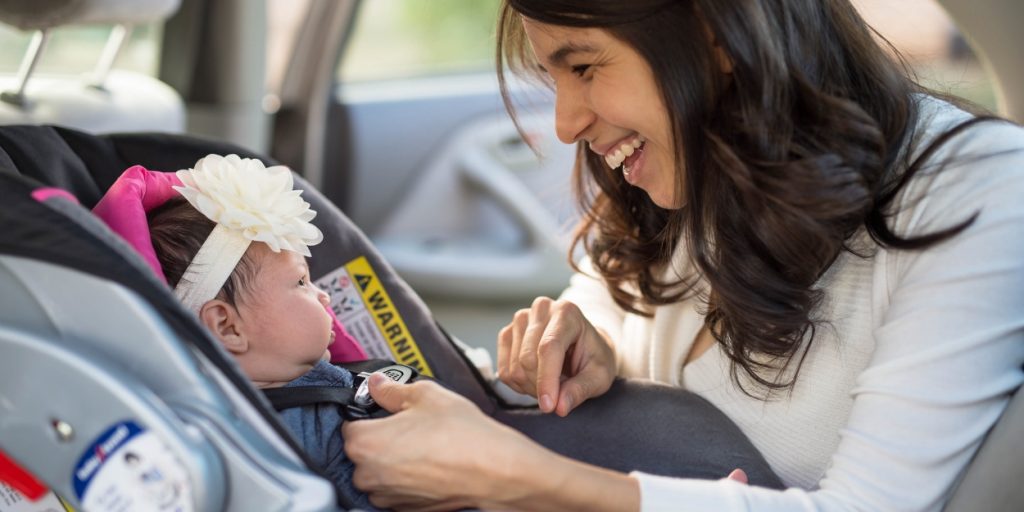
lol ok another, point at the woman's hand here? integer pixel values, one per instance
(551, 351)
(439, 452)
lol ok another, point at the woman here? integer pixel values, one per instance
(775, 218)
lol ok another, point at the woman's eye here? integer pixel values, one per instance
(580, 69)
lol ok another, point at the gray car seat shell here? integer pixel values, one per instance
(77, 299)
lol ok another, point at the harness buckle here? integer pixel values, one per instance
(363, 405)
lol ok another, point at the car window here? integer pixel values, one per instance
(77, 49)
(932, 46)
(394, 39)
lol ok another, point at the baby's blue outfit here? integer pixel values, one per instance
(318, 428)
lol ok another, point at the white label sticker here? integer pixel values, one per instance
(13, 501)
(351, 311)
(129, 468)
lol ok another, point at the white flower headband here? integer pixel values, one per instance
(249, 203)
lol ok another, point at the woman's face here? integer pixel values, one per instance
(606, 96)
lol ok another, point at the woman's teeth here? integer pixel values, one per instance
(615, 158)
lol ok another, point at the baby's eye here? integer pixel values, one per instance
(302, 281)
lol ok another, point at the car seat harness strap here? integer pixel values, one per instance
(356, 401)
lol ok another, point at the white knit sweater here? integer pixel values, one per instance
(913, 365)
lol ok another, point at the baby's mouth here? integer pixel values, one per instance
(626, 154)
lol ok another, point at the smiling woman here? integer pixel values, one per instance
(776, 218)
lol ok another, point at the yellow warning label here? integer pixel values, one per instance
(379, 305)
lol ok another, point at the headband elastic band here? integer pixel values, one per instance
(211, 267)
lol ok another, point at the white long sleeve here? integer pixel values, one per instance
(916, 360)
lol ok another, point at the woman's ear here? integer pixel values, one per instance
(222, 319)
(721, 56)
(724, 62)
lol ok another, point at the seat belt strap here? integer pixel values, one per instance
(356, 402)
(298, 396)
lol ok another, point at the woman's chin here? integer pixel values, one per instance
(667, 202)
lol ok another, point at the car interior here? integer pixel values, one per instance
(96, 349)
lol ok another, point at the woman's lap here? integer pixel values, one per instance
(653, 428)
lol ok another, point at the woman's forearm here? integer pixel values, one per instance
(556, 483)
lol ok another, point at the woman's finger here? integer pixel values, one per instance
(561, 333)
(519, 323)
(738, 475)
(593, 380)
(504, 349)
(540, 315)
(390, 395)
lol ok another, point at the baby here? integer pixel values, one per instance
(230, 236)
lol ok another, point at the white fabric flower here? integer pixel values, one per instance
(258, 202)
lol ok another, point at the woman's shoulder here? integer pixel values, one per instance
(979, 165)
(972, 135)
(936, 117)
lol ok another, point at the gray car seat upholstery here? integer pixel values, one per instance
(92, 341)
(989, 483)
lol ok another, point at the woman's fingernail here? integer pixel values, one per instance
(546, 404)
(568, 404)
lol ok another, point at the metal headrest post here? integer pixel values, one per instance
(118, 36)
(28, 65)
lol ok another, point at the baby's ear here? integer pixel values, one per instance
(222, 320)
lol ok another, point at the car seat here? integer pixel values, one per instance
(98, 355)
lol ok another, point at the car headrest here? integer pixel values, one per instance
(43, 14)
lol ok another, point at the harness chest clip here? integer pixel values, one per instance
(363, 405)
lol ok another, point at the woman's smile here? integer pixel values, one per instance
(633, 164)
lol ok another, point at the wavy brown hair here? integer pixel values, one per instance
(785, 159)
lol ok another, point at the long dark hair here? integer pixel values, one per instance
(785, 159)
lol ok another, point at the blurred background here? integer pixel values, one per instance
(407, 38)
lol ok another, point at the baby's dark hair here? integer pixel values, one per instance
(178, 230)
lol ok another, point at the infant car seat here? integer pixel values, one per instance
(102, 368)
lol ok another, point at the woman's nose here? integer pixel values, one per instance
(572, 115)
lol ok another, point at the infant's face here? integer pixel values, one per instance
(284, 315)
